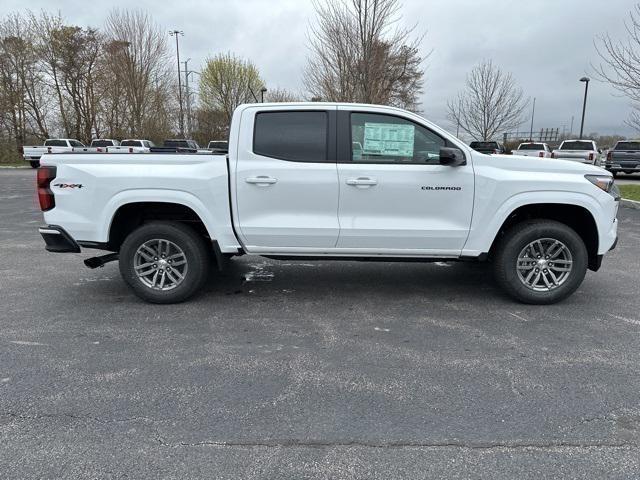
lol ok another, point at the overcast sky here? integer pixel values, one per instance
(546, 44)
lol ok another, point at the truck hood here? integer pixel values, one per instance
(537, 164)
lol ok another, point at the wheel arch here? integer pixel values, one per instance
(577, 217)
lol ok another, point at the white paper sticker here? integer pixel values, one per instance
(388, 139)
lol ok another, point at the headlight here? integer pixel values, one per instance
(606, 183)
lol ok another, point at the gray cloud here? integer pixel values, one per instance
(546, 44)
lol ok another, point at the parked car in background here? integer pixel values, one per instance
(98, 145)
(132, 145)
(624, 157)
(488, 147)
(218, 146)
(533, 149)
(585, 151)
(346, 181)
(177, 145)
(51, 145)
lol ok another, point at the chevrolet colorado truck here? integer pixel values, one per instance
(624, 157)
(293, 186)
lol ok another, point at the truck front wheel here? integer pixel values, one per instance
(540, 261)
(164, 262)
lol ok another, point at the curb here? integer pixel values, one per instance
(630, 203)
(14, 167)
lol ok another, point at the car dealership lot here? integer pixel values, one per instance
(312, 369)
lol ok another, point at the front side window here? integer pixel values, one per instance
(297, 136)
(75, 143)
(377, 138)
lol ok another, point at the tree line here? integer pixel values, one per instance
(59, 79)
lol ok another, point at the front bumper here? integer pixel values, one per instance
(58, 240)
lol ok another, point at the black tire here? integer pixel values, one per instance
(506, 254)
(615, 174)
(34, 163)
(194, 247)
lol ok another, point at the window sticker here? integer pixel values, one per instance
(388, 139)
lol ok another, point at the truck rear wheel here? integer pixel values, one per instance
(34, 163)
(164, 262)
(540, 262)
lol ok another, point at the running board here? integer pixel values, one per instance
(95, 262)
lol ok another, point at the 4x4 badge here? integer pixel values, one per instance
(68, 185)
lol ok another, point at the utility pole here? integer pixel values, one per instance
(177, 34)
(262, 92)
(533, 113)
(571, 128)
(188, 95)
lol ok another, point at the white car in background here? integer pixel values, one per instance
(585, 151)
(533, 149)
(132, 145)
(98, 145)
(51, 145)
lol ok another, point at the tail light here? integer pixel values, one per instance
(45, 195)
(591, 157)
(99, 150)
(541, 154)
(609, 155)
(130, 149)
(553, 154)
(496, 151)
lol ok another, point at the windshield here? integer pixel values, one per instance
(577, 146)
(531, 146)
(627, 146)
(219, 144)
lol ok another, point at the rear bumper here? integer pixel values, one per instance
(622, 167)
(58, 240)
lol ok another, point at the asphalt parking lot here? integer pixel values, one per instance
(312, 370)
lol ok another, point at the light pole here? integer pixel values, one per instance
(178, 33)
(262, 91)
(189, 93)
(533, 113)
(584, 104)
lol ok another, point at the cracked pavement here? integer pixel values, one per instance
(312, 369)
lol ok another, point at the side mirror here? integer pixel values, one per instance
(599, 150)
(452, 157)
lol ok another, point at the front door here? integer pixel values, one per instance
(395, 197)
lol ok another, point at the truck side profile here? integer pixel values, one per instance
(331, 181)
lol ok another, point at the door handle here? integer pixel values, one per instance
(261, 180)
(362, 182)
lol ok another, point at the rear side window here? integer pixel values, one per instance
(627, 146)
(577, 146)
(531, 146)
(295, 136)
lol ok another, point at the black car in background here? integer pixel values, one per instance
(488, 147)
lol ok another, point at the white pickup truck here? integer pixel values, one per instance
(98, 145)
(51, 145)
(585, 151)
(291, 187)
(533, 149)
(131, 145)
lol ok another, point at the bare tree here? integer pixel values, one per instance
(138, 61)
(358, 55)
(227, 81)
(279, 95)
(490, 102)
(621, 63)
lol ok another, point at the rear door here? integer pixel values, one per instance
(395, 197)
(286, 180)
